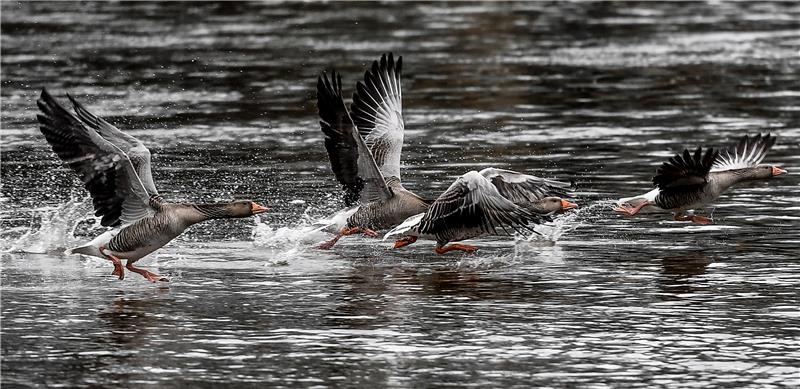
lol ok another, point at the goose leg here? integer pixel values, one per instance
(150, 276)
(630, 211)
(682, 218)
(118, 271)
(405, 241)
(344, 232)
(456, 247)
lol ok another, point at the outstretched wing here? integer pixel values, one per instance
(472, 203)
(685, 171)
(749, 152)
(118, 195)
(523, 189)
(136, 151)
(351, 160)
(378, 113)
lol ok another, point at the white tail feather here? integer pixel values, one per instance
(405, 226)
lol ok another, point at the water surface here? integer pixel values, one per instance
(223, 95)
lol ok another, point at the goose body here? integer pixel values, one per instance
(144, 236)
(115, 169)
(384, 214)
(489, 202)
(364, 146)
(690, 181)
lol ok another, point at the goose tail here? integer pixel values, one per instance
(93, 248)
(85, 250)
(408, 226)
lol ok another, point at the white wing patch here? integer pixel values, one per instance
(377, 111)
(749, 152)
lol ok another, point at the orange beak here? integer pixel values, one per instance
(258, 208)
(567, 205)
(776, 171)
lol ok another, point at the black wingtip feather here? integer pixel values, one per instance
(69, 139)
(685, 169)
(337, 129)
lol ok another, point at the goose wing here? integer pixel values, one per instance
(685, 171)
(378, 113)
(748, 152)
(118, 195)
(522, 188)
(472, 203)
(136, 151)
(351, 160)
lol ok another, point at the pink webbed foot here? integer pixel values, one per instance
(456, 247)
(403, 242)
(118, 271)
(345, 232)
(150, 276)
(630, 211)
(694, 219)
(328, 245)
(702, 220)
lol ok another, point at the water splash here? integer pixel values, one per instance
(569, 221)
(305, 233)
(477, 262)
(54, 230)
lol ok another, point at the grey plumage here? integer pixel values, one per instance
(364, 149)
(748, 152)
(377, 112)
(115, 168)
(339, 140)
(691, 180)
(523, 189)
(136, 151)
(683, 178)
(472, 207)
(489, 202)
(351, 160)
(379, 215)
(118, 195)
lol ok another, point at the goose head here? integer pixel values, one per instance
(776, 171)
(554, 205)
(243, 208)
(764, 171)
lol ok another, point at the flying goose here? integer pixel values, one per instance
(364, 148)
(691, 181)
(115, 169)
(489, 202)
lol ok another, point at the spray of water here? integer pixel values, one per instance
(52, 228)
(569, 221)
(307, 231)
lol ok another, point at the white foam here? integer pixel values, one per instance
(56, 228)
(566, 222)
(305, 233)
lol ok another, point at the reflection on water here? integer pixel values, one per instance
(222, 93)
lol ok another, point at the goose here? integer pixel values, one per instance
(690, 181)
(364, 147)
(490, 202)
(115, 168)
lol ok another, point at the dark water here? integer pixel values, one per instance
(223, 94)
